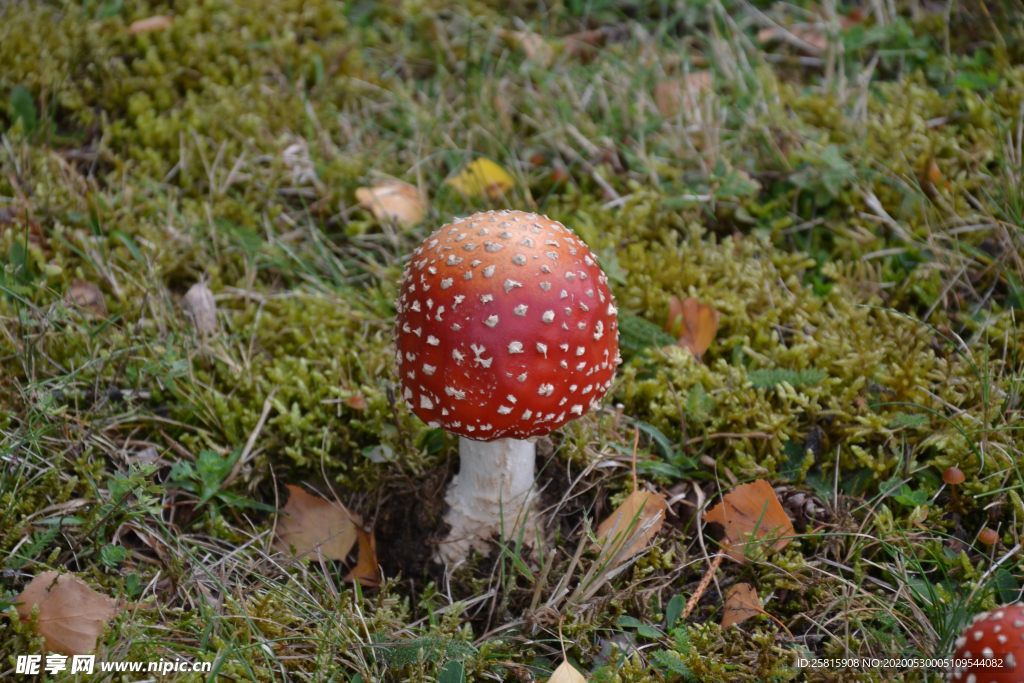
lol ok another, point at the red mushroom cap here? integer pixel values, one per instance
(505, 327)
(995, 635)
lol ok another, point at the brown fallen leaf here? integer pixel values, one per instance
(87, 295)
(673, 96)
(356, 402)
(482, 178)
(751, 513)
(155, 23)
(201, 308)
(533, 45)
(809, 37)
(71, 615)
(933, 174)
(393, 201)
(567, 673)
(367, 571)
(651, 510)
(308, 521)
(695, 324)
(741, 603)
(583, 45)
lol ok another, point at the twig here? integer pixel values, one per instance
(730, 435)
(244, 457)
(703, 585)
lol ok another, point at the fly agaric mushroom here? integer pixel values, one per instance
(994, 636)
(506, 330)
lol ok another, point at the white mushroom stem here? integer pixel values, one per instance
(488, 495)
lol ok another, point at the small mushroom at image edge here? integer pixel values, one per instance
(506, 330)
(996, 637)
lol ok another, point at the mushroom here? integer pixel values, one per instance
(505, 330)
(991, 636)
(988, 536)
(953, 476)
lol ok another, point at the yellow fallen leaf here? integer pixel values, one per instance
(157, 23)
(393, 201)
(694, 322)
(71, 615)
(201, 308)
(751, 513)
(567, 673)
(88, 297)
(533, 46)
(367, 571)
(810, 36)
(309, 521)
(673, 96)
(651, 510)
(482, 178)
(741, 603)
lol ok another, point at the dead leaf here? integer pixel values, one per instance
(741, 603)
(933, 174)
(87, 295)
(356, 402)
(297, 159)
(393, 201)
(71, 615)
(671, 98)
(749, 513)
(156, 23)
(809, 35)
(533, 45)
(367, 571)
(201, 308)
(694, 322)
(482, 178)
(583, 45)
(308, 521)
(567, 673)
(649, 506)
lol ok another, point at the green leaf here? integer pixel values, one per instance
(1006, 586)
(452, 672)
(735, 185)
(112, 555)
(649, 631)
(432, 441)
(890, 486)
(673, 663)
(128, 242)
(109, 9)
(626, 621)
(62, 521)
(908, 420)
(794, 465)
(660, 469)
(769, 379)
(212, 470)
(673, 611)
(858, 483)
(912, 498)
(637, 334)
(698, 403)
(663, 443)
(22, 106)
(241, 502)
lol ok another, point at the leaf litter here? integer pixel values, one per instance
(71, 615)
